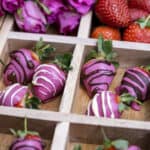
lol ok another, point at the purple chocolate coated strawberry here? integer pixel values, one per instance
(97, 75)
(68, 22)
(104, 104)
(109, 104)
(48, 81)
(30, 18)
(81, 6)
(21, 67)
(11, 6)
(13, 95)
(134, 147)
(136, 81)
(27, 144)
(54, 8)
(99, 71)
(26, 140)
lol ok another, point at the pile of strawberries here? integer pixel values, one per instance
(131, 16)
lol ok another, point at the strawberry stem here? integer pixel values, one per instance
(43, 50)
(2, 62)
(144, 22)
(25, 125)
(104, 51)
(45, 9)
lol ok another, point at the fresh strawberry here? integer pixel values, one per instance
(26, 139)
(141, 4)
(113, 12)
(138, 32)
(136, 14)
(107, 32)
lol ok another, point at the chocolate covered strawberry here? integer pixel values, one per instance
(23, 63)
(113, 12)
(98, 73)
(138, 31)
(16, 95)
(136, 81)
(49, 79)
(108, 104)
(27, 140)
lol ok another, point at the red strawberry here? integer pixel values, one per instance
(107, 32)
(138, 32)
(141, 4)
(113, 12)
(33, 137)
(136, 14)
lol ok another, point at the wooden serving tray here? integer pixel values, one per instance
(62, 122)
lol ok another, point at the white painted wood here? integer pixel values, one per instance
(72, 80)
(72, 118)
(7, 25)
(60, 136)
(85, 25)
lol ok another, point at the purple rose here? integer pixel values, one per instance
(30, 18)
(52, 9)
(11, 5)
(68, 22)
(81, 6)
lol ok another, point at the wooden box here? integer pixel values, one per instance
(62, 122)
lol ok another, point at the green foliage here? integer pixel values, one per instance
(63, 61)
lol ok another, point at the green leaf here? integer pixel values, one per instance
(63, 61)
(77, 147)
(144, 22)
(120, 144)
(33, 103)
(101, 147)
(91, 55)
(2, 62)
(13, 132)
(122, 107)
(43, 50)
(115, 63)
(100, 44)
(127, 98)
(107, 47)
(45, 8)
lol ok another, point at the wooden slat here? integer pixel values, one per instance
(7, 25)
(120, 45)
(85, 25)
(72, 80)
(60, 136)
(73, 118)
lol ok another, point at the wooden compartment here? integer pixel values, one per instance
(52, 30)
(89, 136)
(45, 129)
(127, 58)
(14, 44)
